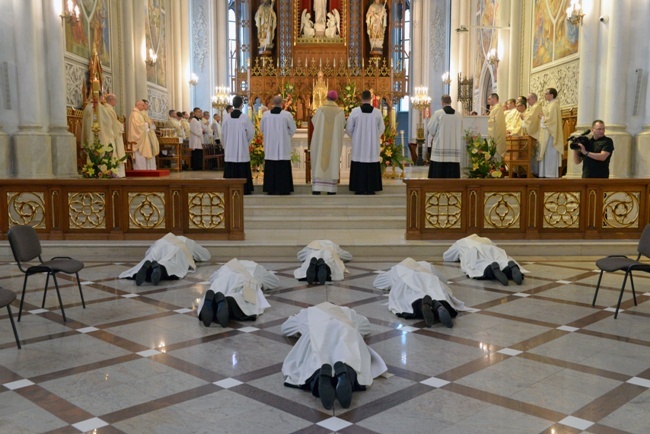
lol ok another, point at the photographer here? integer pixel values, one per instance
(594, 152)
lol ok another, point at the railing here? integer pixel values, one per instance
(527, 208)
(121, 209)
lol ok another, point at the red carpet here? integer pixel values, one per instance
(147, 173)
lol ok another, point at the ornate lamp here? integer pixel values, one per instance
(493, 58)
(420, 100)
(446, 78)
(194, 79)
(70, 13)
(221, 98)
(574, 13)
(152, 58)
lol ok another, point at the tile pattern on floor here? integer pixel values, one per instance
(535, 358)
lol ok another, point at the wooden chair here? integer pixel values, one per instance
(518, 151)
(128, 150)
(413, 149)
(210, 156)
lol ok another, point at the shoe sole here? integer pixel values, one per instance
(445, 317)
(325, 388)
(222, 310)
(141, 275)
(207, 313)
(343, 385)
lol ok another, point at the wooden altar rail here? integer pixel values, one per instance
(118, 209)
(527, 208)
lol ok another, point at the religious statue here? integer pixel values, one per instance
(333, 24)
(319, 93)
(320, 16)
(265, 20)
(376, 25)
(306, 25)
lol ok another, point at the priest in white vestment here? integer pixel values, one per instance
(117, 132)
(419, 290)
(365, 126)
(153, 138)
(551, 137)
(169, 258)
(326, 145)
(322, 260)
(448, 147)
(480, 258)
(236, 292)
(238, 131)
(196, 139)
(174, 122)
(215, 126)
(497, 126)
(330, 358)
(138, 137)
(531, 124)
(514, 123)
(277, 127)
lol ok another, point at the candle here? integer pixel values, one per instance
(335, 62)
(363, 63)
(320, 62)
(292, 62)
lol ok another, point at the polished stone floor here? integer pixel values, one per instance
(535, 358)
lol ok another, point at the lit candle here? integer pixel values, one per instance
(320, 62)
(363, 64)
(335, 62)
(292, 62)
(348, 63)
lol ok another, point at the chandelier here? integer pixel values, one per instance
(221, 97)
(421, 98)
(574, 13)
(446, 78)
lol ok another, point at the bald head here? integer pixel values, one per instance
(111, 99)
(277, 101)
(139, 105)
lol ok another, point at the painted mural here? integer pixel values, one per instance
(92, 30)
(486, 39)
(554, 37)
(156, 36)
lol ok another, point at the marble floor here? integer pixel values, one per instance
(535, 358)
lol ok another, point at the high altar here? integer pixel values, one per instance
(352, 45)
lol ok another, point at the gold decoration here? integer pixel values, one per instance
(26, 208)
(87, 210)
(561, 209)
(206, 210)
(621, 209)
(502, 210)
(147, 210)
(443, 210)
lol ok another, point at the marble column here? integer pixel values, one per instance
(587, 81)
(514, 50)
(641, 155)
(64, 146)
(503, 48)
(456, 53)
(221, 42)
(130, 56)
(31, 145)
(418, 78)
(185, 52)
(140, 49)
(5, 154)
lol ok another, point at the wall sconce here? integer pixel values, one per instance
(446, 78)
(493, 58)
(151, 58)
(194, 79)
(70, 13)
(574, 13)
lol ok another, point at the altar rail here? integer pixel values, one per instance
(119, 209)
(527, 208)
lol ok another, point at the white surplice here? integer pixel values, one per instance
(196, 134)
(237, 134)
(329, 334)
(409, 281)
(176, 253)
(243, 281)
(277, 128)
(446, 131)
(476, 254)
(365, 129)
(330, 252)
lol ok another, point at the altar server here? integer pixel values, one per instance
(169, 258)
(448, 147)
(327, 145)
(196, 139)
(236, 291)
(278, 127)
(480, 258)
(365, 125)
(322, 260)
(419, 290)
(238, 131)
(330, 358)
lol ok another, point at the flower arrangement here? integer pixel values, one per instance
(101, 162)
(349, 98)
(256, 147)
(482, 163)
(391, 154)
(286, 92)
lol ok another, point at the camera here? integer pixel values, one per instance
(575, 140)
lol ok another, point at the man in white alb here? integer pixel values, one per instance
(447, 150)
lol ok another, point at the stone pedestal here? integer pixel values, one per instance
(32, 156)
(64, 154)
(5, 155)
(641, 154)
(620, 166)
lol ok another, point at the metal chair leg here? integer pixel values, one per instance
(58, 294)
(593, 303)
(633, 292)
(620, 296)
(83, 302)
(47, 282)
(13, 326)
(22, 299)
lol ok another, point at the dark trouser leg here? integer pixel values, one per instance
(417, 311)
(236, 311)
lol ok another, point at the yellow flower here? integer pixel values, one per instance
(474, 151)
(388, 152)
(496, 173)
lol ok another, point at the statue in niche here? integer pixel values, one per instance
(265, 20)
(306, 25)
(376, 25)
(319, 93)
(320, 16)
(333, 24)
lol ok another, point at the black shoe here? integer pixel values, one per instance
(343, 384)
(498, 274)
(443, 314)
(322, 271)
(316, 193)
(141, 275)
(331, 193)
(207, 310)
(516, 272)
(311, 271)
(325, 388)
(427, 311)
(156, 273)
(221, 309)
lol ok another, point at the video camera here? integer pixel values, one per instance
(582, 139)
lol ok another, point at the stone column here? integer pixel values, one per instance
(514, 55)
(131, 55)
(418, 78)
(31, 145)
(5, 155)
(456, 52)
(64, 145)
(503, 48)
(221, 42)
(641, 155)
(140, 49)
(185, 52)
